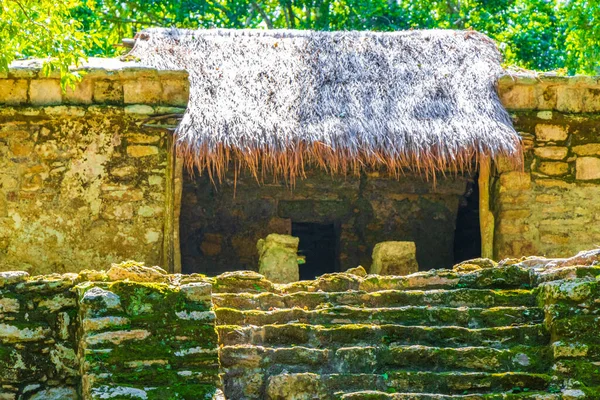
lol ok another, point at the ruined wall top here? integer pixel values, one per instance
(547, 91)
(105, 81)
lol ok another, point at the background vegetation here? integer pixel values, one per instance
(561, 35)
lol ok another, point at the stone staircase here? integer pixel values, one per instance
(431, 335)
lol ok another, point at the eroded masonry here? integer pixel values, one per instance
(521, 329)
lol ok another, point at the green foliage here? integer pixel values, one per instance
(43, 29)
(534, 34)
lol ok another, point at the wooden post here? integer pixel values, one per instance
(174, 185)
(486, 218)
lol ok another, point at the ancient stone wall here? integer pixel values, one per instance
(85, 175)
(221, 223)
(551, 206)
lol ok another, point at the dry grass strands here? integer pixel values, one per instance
(275, 101)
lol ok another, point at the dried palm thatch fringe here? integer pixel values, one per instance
(276, 101)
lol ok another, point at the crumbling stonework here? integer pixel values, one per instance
(551, 206)
(83, 177)
(519, 329)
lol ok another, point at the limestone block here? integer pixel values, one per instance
(569, 99)
(278, 260)
(553, 168)
(13, 91)
(102, 323)
(547, 132)
(141, 91)
(197, 291)
(175, 92)
(81, 93)
(99, 297)
(117, 337)
(551, 152)
(591, 100)
(544, 115)
(123, 172)
(9, 305)
(590, 149)
(514, 180)
(142, 151)
(11, 334)
(137, 272)
(518, 97)
(44, 92)
(394, 258)
(139, 138)
(56, 393)
(545, 96)
(587, 168)
(109, 92)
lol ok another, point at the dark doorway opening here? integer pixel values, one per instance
(318, 244)
(467, 237)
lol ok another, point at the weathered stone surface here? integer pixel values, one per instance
(552, 152)
(394, 258)
(10, 333)
(279, 258)
(11, 277)
(550, 133)
(82, 93)
(197, 291)
(142, 151)
(590, 149)
(45, 92)
(141, 91)
(136, 272)
(515, 181)
(9, 305)
(13, 91)
(519, 97)
(553, 168)
(101, 323)
(587, 168)
(570, 99)
(101, 297)
(57, 303)
(58, 393)
(117, 337)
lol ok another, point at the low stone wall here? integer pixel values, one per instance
(551, 206)
(572, 314)
(86, 175)
(38, 328)
(130, 332)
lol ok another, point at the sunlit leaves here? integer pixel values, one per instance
(533, 34)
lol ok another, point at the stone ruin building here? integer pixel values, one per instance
(200, 143)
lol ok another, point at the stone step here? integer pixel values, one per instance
(319, 336)
(451, 383)
(512, 276)
(385, 298)
(376, 395)
(382, 359)
(407, 315)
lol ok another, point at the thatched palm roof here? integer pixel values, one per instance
(274, 101)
